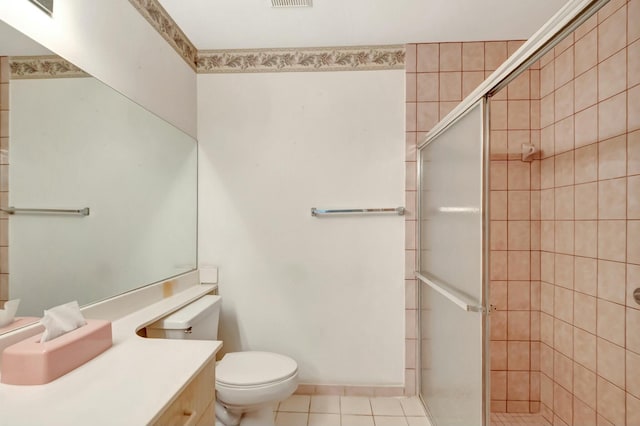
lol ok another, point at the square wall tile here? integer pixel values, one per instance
(585, 314)
(612, 199)
(612, 75)
(612, 240)
(518, 385)
(562, 404)
(519, 295)
(612, 281)
(611, 402)
(632, 326)
(583, 414)
(427, 86)
(633, 241)
(586, 164)
(473, 56)
(518, 325)
(518, 115)
(586, 89)
(612, 158)
(611, 362)
(495, 54)
(633, 197)
(450, 86)
(586, 202)
(632, 376)
(519, 207)
(612, 34)
(586, 275)
(470, 81)
(498, 355)
(584, 385)
(612, 116)
(584, 349)
(563, 337)
(611, 322)
(428, 58)
(563, 371)
(450, 57)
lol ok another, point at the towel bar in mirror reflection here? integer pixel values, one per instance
(14, 210)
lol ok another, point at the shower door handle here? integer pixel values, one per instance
(450, 293)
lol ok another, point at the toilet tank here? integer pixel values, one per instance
(198, 320)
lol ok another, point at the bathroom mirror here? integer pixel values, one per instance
(74, 143)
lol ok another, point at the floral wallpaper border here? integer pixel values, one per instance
(268, 60)
(32, 67)
(302, 59)
(159, 19)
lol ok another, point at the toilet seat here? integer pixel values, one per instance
(252, 379)
(254, 369)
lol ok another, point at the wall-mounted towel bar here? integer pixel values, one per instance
(13, 210)
(318, 212)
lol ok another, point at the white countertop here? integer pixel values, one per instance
(129, 384)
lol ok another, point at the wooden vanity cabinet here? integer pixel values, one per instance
(195, 405)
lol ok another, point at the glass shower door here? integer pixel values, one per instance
(451, 273)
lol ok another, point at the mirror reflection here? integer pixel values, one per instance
(70, 142)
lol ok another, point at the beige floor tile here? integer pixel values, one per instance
(291, 419)
(390, 421)
(324, 419)
(386, 407)
(418, 421)
(354, 420)
(325, 404)
(355, 405)
(296, 404)
(412, 407)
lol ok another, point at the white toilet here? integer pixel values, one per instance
(248, 384)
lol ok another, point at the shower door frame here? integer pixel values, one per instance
(483, 307)
(563, 23)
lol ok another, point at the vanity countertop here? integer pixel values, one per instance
(129, 384)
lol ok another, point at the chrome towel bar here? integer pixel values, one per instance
(13, 210)
(317, 212)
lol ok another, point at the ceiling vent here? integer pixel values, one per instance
(291, 3)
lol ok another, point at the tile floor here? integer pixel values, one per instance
(325, 410)
(516, 419)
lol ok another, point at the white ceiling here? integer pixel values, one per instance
(14, 43)
(247, 24)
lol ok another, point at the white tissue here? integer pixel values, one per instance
(9, 312)
(61, 319)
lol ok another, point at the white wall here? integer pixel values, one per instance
(112, 41)
(327, 291)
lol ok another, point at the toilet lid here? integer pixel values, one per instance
(254, 368)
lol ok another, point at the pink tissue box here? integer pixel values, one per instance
(30, 362)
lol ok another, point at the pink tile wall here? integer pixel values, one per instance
(4, 171)
(439, 76)
(514, 244)
(590, 222)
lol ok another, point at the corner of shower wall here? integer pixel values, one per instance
(438, 77)
(5, 74)
(514, 245)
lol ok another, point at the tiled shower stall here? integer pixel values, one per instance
(564, 228)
